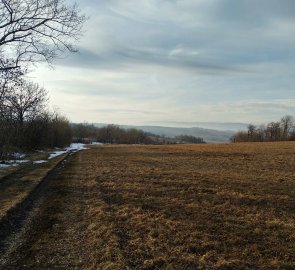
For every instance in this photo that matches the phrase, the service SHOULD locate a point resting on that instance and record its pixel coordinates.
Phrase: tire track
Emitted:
(17, 219)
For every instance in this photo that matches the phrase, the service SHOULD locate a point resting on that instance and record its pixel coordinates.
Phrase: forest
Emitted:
(283, 130)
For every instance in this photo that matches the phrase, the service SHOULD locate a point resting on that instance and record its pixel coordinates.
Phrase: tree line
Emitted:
(283, 130)
(189, 139)
(25, 120)
(109, 134)
(114, 134)
(32, 31)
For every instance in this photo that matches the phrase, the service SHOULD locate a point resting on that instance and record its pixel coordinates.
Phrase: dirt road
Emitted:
(49, 237)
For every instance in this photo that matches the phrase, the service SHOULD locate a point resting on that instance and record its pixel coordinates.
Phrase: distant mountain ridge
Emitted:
(222, 126)
(209, 135)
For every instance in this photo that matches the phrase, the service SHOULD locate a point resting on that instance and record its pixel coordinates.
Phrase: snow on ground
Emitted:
(4, 166)
(17, 158)
(19, 161)
(12, 163)
(18, 155)
(56, 154)
(74, 147)
(39, 161)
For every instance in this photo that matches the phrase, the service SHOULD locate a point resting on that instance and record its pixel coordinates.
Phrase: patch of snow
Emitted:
(7, 165)
(18, 161)
(97, 143)
(4, 165)
(11, 163)
(39, 161)
(56, 154)
(76, 146)
(18, 155)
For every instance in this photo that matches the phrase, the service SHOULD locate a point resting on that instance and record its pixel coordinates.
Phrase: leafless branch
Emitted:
(37, 30)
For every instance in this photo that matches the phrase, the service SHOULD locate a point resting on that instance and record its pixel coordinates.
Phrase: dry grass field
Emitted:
(166, 207)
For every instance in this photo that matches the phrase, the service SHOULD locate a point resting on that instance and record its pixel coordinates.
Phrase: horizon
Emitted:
(217, 126)
(200, 125)
(181, 61)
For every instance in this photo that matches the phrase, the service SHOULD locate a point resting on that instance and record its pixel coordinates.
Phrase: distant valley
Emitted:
(222, 126)
(208, 134)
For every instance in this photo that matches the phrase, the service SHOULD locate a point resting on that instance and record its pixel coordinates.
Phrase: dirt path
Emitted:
(15, 187)
(55, 234)
(47, 221)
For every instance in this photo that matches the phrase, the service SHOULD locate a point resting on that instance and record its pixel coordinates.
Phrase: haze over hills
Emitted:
(209, 135)
(223, 126)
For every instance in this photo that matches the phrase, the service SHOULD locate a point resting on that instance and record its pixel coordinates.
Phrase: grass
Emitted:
(207, 206)
(168, 207)
(17, 184)
(32, 156)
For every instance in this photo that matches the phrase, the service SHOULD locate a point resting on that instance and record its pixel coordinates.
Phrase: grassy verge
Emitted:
(32, 156)
(16, 185)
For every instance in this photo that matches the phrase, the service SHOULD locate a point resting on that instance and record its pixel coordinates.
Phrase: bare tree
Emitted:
(286, 123)
(8, 80)
(25, 102)
(251, 131)
(36, 30)
(273, 130)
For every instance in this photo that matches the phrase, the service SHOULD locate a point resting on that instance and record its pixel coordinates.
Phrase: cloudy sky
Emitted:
(147, 61)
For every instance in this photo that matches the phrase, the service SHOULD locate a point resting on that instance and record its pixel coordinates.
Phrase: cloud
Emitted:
(225, 34)
(180, 57)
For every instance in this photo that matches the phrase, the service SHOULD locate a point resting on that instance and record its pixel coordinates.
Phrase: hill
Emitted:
(209, 135)
(222, 126)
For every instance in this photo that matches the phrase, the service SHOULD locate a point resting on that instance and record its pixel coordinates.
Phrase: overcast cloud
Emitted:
(179, 60)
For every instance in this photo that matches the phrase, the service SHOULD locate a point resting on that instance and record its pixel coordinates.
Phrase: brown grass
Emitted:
(168, 207)
(15, 188)
(32, 156)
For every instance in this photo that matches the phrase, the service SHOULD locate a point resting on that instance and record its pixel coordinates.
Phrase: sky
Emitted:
(156, 61)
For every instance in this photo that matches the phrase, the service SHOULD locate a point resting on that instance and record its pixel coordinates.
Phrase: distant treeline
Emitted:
(109, 134)
(283, 130)
(189, 139)
(25, 121)
(115, 134)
